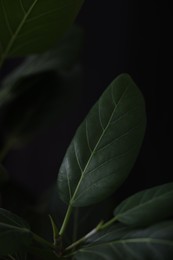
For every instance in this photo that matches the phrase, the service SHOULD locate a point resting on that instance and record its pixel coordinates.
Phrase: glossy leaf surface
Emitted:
(32, 26)
(152, 243)
(14, 233)
(105, 145)
(147, 207)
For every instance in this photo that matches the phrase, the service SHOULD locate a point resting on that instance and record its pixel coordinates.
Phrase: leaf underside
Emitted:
(15, 234)
(32, 26)
(146, 207)
(105, 145)
(152, 243)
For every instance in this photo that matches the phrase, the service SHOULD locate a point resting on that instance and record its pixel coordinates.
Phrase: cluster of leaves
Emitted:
(101, 154)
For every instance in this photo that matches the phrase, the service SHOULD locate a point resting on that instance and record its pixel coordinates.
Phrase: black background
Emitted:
(120, 36)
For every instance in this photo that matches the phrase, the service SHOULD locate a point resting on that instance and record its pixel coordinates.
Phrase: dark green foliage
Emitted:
(118, 242)
(147, 207)
(15, 234)
(99, 158)
(105, 145)
(26, 26)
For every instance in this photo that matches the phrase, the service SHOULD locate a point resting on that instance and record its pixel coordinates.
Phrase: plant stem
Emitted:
(66, 220)
(56, 236)
(108, 224)
(83, 239)
(98, 228)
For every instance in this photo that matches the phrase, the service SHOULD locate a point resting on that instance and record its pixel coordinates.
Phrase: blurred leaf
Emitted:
(41, 89)
(147, 207)
(15, 234)
(63, 57)
(105, 146)
(32, 26)
(118, 242)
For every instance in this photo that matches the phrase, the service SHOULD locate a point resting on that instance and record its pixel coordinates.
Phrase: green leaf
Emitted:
(152, 243)
(105, 145)
(32, 26)
(41, 90)
(15, 234)
(147, 207)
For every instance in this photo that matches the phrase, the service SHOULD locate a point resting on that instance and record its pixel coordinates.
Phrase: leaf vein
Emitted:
(100, 179)
(119, 137)
(95, 148)
(77, 158)
(16, 33)
(113, 158)
(100, 120)
(87, 136)
(22, 7)
(47, 13)
(69, 187)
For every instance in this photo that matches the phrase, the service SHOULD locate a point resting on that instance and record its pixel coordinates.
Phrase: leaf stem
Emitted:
(66, 220)
(108, 224)
(98, 228)
(56, 237)
(83, 239)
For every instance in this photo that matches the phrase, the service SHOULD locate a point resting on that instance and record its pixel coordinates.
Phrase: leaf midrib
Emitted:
(16, 33)
(99, 140)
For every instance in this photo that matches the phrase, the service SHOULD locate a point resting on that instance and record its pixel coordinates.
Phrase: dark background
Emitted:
(120, 36)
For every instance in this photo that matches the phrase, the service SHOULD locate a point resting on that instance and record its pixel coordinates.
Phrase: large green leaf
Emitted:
(105, 145)
(152, 243)
(146, 207)
(32, 26)
(15, 234)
